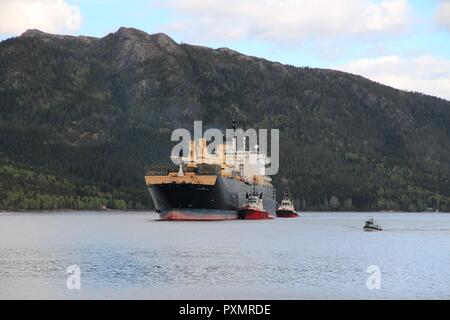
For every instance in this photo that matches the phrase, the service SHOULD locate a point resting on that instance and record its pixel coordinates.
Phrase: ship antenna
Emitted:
(234, 139)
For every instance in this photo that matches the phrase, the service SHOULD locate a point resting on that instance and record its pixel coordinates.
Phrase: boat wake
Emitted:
(416, 230)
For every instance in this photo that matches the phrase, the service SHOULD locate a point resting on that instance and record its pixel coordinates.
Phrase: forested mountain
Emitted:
(82, 117)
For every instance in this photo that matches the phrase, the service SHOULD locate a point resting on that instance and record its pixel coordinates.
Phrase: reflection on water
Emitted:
(320, 255)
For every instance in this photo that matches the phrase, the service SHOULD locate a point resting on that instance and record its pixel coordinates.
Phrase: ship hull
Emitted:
(197, 215)
(372, 229)
(252, 214)
(201, 202)
(286, 214)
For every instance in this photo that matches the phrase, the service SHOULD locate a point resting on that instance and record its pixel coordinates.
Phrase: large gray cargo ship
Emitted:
(210, 187)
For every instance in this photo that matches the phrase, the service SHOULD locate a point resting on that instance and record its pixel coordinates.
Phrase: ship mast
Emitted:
(180, 170)
(234, 140)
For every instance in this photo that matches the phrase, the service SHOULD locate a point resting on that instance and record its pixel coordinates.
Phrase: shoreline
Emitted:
(153, 211)
(77, 211)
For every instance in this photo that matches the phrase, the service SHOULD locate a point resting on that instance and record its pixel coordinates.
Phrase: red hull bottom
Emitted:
(191, 216)
(248, 214)
(286, 214)
(289, 215)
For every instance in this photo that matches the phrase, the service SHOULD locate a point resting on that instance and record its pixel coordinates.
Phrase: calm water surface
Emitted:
(131, 255)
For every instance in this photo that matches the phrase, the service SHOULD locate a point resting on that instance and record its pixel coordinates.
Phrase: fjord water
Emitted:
(132, 255)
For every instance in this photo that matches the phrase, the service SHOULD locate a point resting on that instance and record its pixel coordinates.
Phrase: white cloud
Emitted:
(443, 13)
(47, 15)
(427, 74)
(287, 21)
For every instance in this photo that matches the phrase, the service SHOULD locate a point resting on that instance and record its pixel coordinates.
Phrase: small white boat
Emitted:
(372, 225)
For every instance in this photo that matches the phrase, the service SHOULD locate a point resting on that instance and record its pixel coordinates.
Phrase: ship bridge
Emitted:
(246, 165)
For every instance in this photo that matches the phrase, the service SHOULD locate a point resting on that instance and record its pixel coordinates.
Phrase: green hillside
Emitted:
(81, 118)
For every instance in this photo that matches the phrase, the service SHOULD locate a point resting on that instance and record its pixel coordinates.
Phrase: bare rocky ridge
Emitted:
(34, 33)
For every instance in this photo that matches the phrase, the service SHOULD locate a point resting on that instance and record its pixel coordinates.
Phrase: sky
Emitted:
(401, 43)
